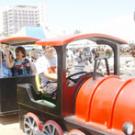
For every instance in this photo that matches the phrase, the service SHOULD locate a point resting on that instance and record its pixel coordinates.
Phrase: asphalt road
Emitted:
(9, 125)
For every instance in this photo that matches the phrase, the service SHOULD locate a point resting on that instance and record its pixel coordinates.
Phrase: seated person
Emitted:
(47, 71)
(21, 65)
(5, 71)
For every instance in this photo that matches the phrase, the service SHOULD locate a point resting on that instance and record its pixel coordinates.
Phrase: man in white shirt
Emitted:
(46, 67)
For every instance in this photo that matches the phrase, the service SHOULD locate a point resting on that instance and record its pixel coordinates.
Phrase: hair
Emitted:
(22, 50)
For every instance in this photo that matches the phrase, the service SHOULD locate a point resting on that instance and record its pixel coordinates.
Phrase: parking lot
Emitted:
(10, 126)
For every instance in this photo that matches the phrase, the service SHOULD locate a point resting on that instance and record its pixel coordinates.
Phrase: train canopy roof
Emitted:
(18, 41)
(96, 37)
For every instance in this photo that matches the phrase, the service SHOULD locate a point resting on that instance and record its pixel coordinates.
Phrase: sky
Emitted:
(113, 17)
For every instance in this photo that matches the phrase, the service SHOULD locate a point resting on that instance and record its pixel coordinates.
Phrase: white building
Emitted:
(18, 17)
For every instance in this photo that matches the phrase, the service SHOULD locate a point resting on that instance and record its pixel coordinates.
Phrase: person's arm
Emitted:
(51, 73)
(33, 68)
(9, 59)
(51, 76)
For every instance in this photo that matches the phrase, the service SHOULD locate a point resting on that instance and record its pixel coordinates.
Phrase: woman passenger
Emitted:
(5, 71)
(21, 65)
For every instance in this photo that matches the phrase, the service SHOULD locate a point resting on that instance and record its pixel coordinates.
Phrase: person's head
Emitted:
(33, 54)
(20, 53)
(49, 51)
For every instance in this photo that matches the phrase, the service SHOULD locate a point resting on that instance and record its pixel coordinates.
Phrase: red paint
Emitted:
(65, 40)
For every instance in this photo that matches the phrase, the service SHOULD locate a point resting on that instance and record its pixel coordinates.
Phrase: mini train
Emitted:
(86, 103)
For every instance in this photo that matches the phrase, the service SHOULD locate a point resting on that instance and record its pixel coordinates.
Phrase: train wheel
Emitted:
(32, 124)
(76, 132)
(52, 128)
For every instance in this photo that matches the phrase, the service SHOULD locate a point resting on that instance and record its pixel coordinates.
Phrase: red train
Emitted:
(88, 101)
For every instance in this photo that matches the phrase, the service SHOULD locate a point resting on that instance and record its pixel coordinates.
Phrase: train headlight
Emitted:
(128, 128)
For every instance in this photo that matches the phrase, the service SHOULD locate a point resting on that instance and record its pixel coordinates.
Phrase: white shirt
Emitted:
(43, 63)
(40, 64)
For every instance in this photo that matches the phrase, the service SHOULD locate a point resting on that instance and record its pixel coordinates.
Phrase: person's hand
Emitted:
(6, 50)
(51, 73)
(52, 69)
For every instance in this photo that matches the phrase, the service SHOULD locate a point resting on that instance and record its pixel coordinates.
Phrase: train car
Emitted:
(8, 85)
(92, 100)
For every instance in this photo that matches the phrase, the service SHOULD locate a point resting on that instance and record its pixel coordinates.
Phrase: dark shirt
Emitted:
(22, 68)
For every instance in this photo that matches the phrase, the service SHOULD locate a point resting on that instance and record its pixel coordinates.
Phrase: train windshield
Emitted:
(127, 61)
(82, 55)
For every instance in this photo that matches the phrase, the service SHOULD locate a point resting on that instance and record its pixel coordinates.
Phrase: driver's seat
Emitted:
(37, 82)
(28, 92)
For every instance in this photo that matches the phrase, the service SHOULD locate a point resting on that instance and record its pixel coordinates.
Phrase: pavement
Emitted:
(9, 125)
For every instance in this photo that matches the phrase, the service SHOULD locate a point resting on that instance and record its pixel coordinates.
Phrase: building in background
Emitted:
(15, 18)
